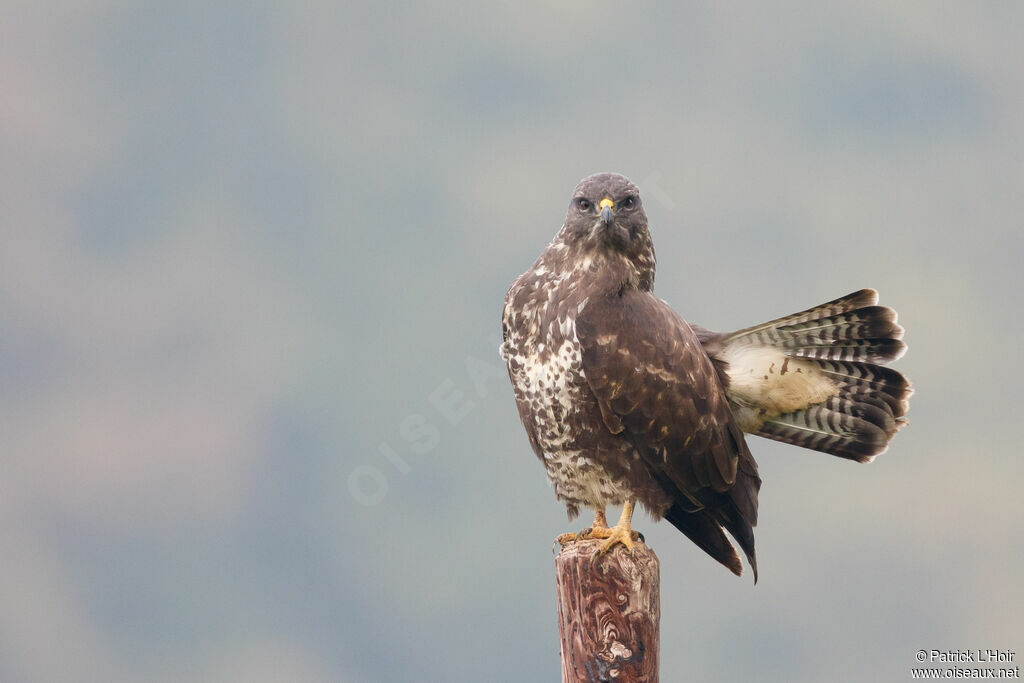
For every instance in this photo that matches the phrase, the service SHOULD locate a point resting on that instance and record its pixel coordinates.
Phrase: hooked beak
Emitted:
(607, 207)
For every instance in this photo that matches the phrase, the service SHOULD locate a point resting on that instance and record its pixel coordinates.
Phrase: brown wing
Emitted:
(656, 385)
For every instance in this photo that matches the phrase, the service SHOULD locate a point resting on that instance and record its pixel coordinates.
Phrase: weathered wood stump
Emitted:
(608, 613)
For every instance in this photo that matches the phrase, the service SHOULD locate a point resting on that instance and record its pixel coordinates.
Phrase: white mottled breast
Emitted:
(544, 358)
(547, 374)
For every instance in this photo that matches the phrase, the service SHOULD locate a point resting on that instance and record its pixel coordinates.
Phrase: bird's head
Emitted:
(607, 217)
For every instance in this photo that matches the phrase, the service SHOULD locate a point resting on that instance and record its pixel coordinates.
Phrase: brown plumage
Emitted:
(623, 401)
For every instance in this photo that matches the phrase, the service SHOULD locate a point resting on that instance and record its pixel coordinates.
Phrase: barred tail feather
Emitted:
(855, 429)
(851, 328)
(862, 380)
(852, 406)
(859, 299)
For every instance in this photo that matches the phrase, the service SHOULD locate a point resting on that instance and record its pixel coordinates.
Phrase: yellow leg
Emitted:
(600, 522)
(620, 533)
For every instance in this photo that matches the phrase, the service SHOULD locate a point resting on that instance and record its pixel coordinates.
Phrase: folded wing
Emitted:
(657, 387)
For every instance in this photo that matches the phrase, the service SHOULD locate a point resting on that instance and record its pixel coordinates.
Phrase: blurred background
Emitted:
(253, 423)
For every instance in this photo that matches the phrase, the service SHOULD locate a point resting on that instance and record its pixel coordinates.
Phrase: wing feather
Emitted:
(656, 385)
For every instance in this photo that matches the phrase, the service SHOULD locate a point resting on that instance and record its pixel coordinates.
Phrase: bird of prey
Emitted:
(623, 401)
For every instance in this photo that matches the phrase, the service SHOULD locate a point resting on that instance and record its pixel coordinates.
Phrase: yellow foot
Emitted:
(620, 533)
(584, 535)
(617, 534)
(565, 539)
(600, 524)
(612, 536)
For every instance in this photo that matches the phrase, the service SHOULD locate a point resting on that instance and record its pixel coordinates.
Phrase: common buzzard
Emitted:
(623, 401)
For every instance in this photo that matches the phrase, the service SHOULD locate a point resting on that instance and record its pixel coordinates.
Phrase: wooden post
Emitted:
(608, 613)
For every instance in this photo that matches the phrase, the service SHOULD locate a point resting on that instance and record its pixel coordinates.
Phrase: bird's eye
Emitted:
(629, 202)
(583, 204)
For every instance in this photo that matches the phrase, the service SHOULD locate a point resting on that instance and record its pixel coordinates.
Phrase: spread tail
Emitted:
(817, 379)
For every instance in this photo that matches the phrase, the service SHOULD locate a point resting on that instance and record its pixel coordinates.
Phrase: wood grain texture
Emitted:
(608, 613)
